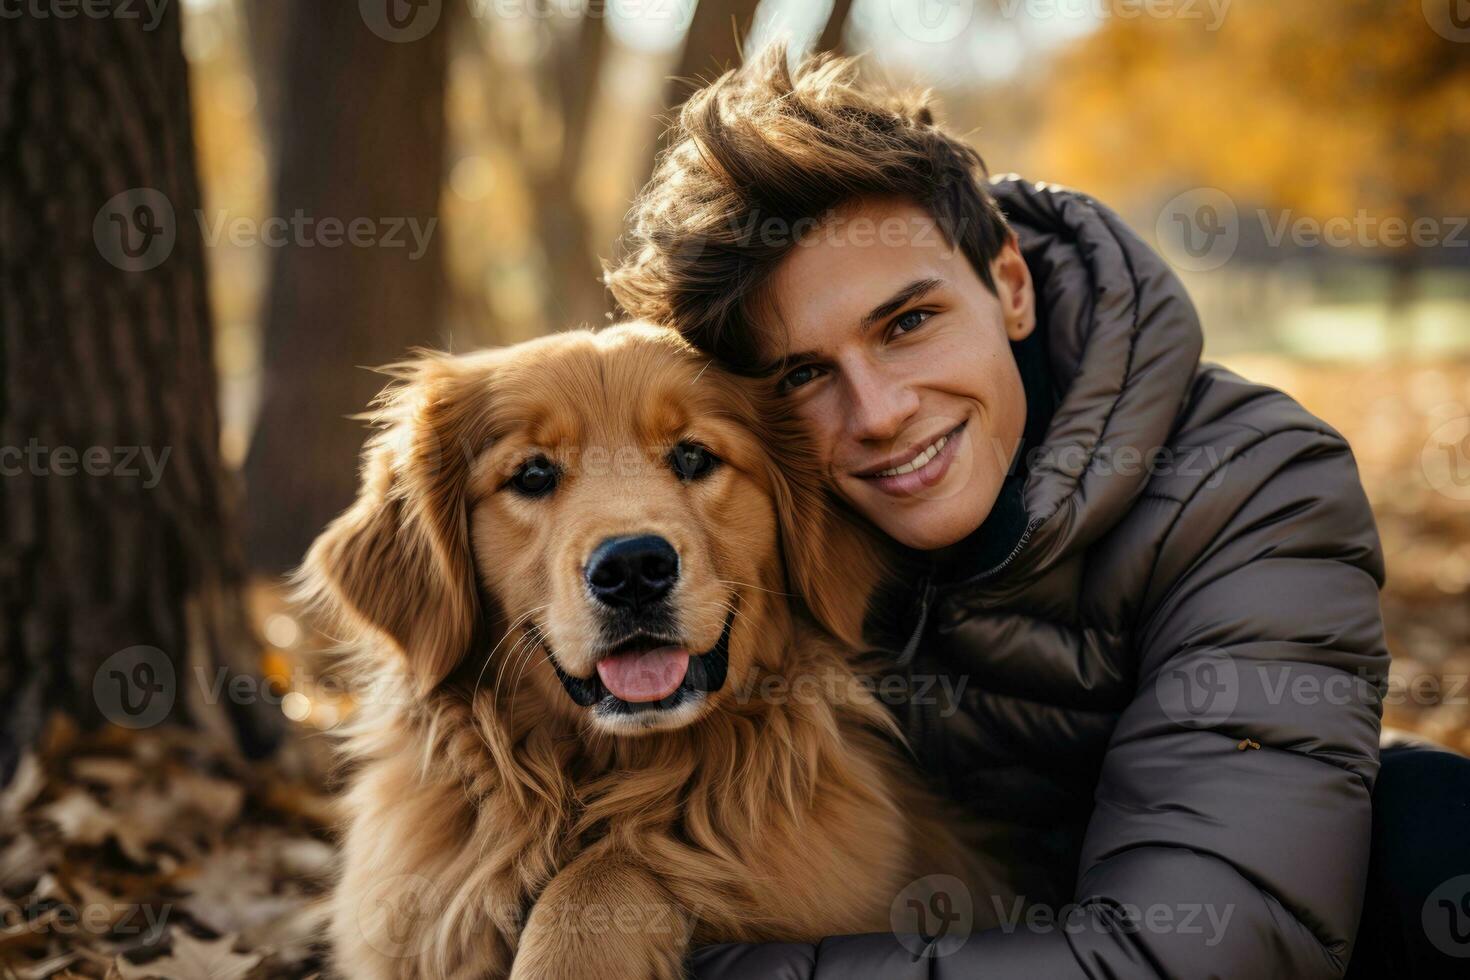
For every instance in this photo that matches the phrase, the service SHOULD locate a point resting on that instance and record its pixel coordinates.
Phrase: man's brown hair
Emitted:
(763, 151)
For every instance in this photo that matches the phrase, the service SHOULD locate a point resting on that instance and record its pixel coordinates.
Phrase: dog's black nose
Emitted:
(632, 572)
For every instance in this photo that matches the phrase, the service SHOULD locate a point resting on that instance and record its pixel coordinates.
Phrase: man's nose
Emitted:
(879, 407)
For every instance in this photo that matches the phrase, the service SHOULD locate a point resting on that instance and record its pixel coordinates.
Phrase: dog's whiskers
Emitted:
(508, 631)
(533, 634)
(747, 585)
(520, 654)
(526, 642)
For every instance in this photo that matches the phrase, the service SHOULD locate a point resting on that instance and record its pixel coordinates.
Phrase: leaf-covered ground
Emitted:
(155, 854)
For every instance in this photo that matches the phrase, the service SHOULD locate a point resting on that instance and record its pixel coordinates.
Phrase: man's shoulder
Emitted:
(1242, 455)
(1226, 416)
(1247, 463)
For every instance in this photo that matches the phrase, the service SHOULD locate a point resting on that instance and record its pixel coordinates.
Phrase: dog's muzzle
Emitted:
(705, 673)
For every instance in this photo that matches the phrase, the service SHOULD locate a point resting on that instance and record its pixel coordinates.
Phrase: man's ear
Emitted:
(398, 560)
(1014, 289)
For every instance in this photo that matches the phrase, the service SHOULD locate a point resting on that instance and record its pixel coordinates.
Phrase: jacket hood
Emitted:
(1123, 341)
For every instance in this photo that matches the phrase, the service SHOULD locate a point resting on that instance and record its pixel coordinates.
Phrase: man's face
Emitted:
(900, 362)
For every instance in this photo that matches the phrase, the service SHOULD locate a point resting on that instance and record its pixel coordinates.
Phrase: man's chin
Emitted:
(925, 525)
(926, 537)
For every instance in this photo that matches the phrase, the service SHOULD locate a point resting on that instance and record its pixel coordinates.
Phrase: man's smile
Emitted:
(917, 468)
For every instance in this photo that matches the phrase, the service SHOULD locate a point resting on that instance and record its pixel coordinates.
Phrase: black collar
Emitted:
(1005, 527)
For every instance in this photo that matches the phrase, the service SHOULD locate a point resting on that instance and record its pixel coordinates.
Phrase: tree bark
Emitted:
(712, 46)
(574, 295)
(119, 573)
(833, 34)
(361, 139)
(266, 23)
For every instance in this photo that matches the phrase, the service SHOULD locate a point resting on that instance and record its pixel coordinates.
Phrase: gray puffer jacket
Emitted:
(1172, 677)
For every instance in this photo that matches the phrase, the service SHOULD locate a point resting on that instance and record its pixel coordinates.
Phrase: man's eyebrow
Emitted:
(899, 300)
(882, 311)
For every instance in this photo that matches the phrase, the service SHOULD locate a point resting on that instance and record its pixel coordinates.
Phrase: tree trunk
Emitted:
(574, 293)
(119, 575)
(361, 140)
(834, 33)
(716, 32)
(266, 22)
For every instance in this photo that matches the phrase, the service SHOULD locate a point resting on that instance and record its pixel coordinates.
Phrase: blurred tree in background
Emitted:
(120, 574)
(526, 127)
(1293, 109)
(359, 133)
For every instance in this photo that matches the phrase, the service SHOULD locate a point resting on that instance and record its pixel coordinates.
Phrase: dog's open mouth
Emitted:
(649, 673)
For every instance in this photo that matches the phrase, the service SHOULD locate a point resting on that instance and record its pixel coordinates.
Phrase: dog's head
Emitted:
(605, 517)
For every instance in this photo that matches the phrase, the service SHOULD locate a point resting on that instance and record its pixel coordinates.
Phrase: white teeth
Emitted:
(919, 461)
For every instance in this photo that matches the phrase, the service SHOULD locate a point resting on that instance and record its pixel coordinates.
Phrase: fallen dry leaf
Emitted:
(194, 959)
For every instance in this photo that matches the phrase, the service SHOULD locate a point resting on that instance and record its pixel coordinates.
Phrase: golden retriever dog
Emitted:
(613, 617)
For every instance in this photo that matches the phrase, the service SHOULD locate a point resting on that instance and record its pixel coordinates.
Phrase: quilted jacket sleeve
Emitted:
(1231, 831)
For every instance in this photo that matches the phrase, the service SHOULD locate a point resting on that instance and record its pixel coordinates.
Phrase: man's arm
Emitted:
(1232, 821)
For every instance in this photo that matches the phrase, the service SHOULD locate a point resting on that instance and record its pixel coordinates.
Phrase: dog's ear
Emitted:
(398, 560)
(834, 560)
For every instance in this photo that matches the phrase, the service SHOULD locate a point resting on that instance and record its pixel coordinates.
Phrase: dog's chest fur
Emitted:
(771, 822)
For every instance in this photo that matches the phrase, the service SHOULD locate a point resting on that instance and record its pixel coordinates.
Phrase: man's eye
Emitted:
(911, 320)
(536, 477)
(690, 461)
(797, 377)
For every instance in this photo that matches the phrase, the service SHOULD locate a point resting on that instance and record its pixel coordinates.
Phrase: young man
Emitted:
(1159, 580)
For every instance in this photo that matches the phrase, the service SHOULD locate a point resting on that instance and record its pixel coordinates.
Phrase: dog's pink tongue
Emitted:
(646, 676)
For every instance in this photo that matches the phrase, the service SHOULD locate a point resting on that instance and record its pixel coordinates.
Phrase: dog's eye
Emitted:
(535, 477)
(691, 461)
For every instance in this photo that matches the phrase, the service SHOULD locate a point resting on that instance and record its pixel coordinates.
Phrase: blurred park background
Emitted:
(1302, 166)
(214, 214)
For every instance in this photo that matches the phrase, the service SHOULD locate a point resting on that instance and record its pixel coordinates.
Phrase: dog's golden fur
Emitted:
(495, 827)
